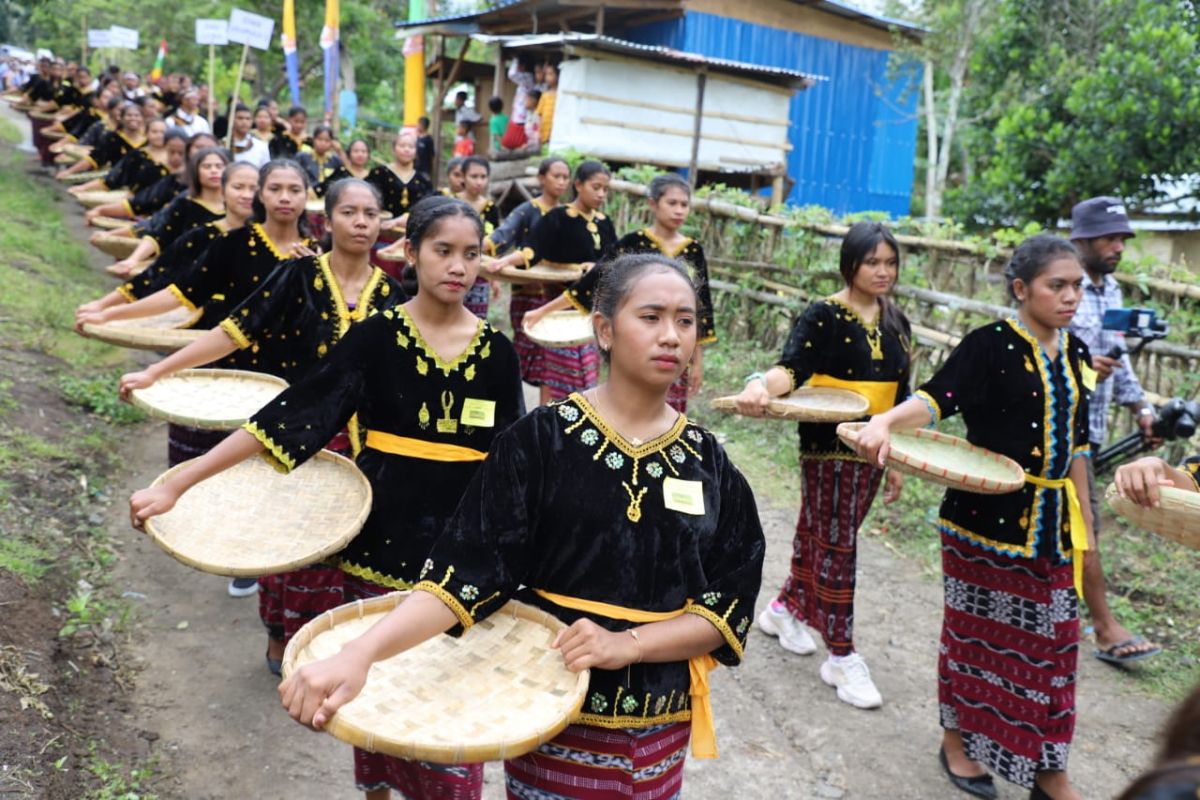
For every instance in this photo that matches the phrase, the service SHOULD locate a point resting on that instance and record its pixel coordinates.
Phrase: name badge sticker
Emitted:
(684, 496)
(1089, 377)
(479, 413)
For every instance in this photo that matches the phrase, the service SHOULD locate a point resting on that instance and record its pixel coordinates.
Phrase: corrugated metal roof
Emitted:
(468, 23)
(775, 75)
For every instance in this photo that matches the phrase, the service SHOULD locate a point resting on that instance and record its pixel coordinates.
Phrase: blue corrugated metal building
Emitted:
(854, 136)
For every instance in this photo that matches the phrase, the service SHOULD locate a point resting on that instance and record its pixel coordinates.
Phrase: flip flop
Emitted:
(1108, 655)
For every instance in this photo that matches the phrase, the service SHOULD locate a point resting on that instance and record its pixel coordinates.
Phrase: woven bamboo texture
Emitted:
(109, 223)
(497, 692)
(115, 245)
(808, 404)
(213, 399)
(543, 272)
(54, 134)
(94, 199)
(1177, 516)
(947, 460)
(167, 331)
(561, 329)
(42, 116)
(84, 177)
(253, 520)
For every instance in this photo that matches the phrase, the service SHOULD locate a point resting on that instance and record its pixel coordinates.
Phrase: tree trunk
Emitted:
(933, 201)
(346, 64)
(972, 13)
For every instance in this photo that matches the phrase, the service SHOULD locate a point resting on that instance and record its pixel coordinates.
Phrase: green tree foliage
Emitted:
(1081, 97)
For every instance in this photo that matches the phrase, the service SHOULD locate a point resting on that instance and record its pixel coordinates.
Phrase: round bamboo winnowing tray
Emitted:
(947, 460)
(84, 177)
(808, 404)
(315, 206)
(499, 691)
(539, 273)
(116, 245)
(95, 199)
(56, 134)
(561, 329)
(1177, 516)
(110, 223)
(253, 520)
(42, 116)
(394, 254)
(167, 331)
(214, 399)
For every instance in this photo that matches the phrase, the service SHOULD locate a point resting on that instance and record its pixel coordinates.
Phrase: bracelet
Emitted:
(761, 377)
(633, 632)
(1146, 411)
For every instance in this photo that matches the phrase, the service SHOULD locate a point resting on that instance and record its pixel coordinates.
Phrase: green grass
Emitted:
(9, 132)
(97, 394)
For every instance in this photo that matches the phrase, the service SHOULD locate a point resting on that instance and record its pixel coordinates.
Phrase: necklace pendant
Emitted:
(634, 512)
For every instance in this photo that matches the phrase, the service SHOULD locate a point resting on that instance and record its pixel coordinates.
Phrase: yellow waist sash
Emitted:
(880, 394)
(1079, 541)
(704, 734)
(419, 448)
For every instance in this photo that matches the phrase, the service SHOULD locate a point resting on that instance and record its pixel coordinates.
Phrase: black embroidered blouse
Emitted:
(565, 505)
(830, 345)
(319, 170)
(1017, 401)
(399, 386)
(514, 231)
(135, 171)
(298, 314)
(182, 215)
(399, 196)
(339, 173)
(233, 267)
(582, 293)
(565, 236)
(155, 197)
(112, 147)
(173, 262)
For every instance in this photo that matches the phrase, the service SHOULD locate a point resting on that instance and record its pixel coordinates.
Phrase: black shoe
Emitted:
(275, 666)
(1038, 793)
(979, 786)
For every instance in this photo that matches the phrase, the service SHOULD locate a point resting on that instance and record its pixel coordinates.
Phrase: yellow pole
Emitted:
(414, 80)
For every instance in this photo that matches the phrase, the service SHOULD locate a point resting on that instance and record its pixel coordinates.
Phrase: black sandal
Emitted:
(274, 665)
(979, 786)
(1038, 793)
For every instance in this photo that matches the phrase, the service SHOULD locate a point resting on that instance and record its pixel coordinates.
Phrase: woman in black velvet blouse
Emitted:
(613, 512)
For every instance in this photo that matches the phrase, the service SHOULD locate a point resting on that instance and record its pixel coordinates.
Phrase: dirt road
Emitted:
(205, 699)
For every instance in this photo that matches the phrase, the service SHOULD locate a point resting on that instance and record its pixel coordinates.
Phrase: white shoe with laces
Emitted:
(850, 676)
(792, 634)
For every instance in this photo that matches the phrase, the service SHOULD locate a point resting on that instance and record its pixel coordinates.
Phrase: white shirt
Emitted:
(252, 151)
(191, 124)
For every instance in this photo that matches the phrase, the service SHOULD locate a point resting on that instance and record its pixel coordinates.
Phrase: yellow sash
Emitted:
(880, 394)
(419, 448)
(704, 734)
(1079, 542)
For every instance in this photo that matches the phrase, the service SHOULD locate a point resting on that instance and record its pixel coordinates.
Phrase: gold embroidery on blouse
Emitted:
(445, 367)
(423, 416)
(872, 330)
(447, 424)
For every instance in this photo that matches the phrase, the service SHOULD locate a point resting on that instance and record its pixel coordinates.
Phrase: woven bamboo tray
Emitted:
(1177, 516)
(808, 404)
(561, 329)
(386, 254)
(137, 269)
(315, 206)
(94, 199)
(539, 273)
(214, 399)
(116, 245)
(948, 460)
(110, 223)
(84, 177)
(42, 116)
(497, 692)
(167, 331)
(253, 520)
(55, 134)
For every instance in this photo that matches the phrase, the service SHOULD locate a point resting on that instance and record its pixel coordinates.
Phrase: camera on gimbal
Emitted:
(1175, 419)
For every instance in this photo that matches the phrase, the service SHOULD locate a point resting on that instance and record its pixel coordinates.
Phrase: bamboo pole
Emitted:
(237, 88)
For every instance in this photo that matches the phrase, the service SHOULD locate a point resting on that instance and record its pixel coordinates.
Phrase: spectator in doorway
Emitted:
(497, 125)
(545, 106)
(425, 148)
(1099, 228)
(463, 112)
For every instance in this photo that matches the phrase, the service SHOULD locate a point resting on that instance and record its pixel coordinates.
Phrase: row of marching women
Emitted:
(605, 507)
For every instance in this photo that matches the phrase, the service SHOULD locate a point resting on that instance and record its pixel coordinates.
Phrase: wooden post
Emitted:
(777, 191)
(435, 128)
(212, 84)
(237, 88)
(694, 162)
(600, 21)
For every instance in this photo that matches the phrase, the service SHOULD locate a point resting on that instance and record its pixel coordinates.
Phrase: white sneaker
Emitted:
(850, 676)
(243, 587)
(793, 635)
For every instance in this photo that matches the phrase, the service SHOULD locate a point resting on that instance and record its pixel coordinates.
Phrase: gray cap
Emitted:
(1099, 216)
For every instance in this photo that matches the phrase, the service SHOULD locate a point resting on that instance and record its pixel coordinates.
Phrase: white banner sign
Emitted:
(212, 31)
(99, 38)
(250, 29)
(123, 37)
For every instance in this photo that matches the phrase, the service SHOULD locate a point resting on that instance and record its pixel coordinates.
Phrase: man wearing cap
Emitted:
(1099, 228)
